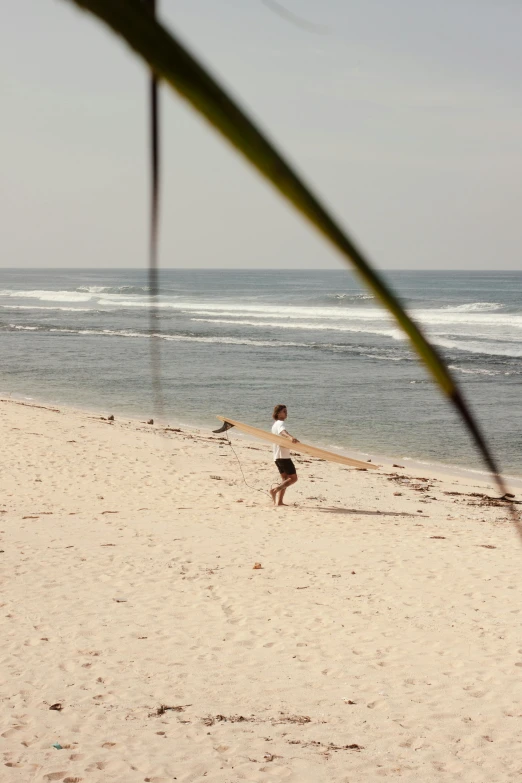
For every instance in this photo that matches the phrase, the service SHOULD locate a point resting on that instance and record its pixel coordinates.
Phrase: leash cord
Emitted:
(241, 468)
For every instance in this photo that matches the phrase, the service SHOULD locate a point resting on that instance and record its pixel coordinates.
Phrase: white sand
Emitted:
(375, 641)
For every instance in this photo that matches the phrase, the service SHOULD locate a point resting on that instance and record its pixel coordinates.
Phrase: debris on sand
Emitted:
(328, 746)
(301, 719)
(210, 720)
(163, 708)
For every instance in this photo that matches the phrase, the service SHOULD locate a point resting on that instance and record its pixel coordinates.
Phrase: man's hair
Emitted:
(277, 411)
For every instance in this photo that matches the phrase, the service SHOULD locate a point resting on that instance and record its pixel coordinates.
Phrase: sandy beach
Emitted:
(379, 638)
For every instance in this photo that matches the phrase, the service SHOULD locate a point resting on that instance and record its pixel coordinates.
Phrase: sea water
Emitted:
(236, 342)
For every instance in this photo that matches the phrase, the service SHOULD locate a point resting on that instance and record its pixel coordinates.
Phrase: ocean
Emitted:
(236, 342)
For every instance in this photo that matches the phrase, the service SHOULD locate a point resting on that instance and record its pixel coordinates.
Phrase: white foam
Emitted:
(476, 371)
(466, 323)
(185, 338)
(466, 319)
(430, 316)
(93, 289)
(115, 300)
(351, 297)
(43, 307)
(451, 319)
(171, 337)
(118, 290)
(490, 349)
(384, 358)
(49, 296)
(284, 311)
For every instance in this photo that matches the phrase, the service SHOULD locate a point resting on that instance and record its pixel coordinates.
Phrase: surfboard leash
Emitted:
(241, 468)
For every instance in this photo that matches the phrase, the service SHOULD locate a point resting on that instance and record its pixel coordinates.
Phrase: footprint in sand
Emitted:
(10, 732)
(97, 765)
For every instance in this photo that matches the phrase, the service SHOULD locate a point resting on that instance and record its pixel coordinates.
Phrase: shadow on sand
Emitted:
(362, 512)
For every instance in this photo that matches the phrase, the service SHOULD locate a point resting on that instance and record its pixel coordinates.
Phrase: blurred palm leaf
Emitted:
(171, 61)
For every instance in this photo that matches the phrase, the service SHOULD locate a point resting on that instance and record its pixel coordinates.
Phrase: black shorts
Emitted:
(286, 466)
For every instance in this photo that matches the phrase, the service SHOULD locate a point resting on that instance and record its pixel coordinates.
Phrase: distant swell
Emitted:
(168, 337)
(474, 307)
(349, 297)
(222, 340)
(395, 334)
(120, 289)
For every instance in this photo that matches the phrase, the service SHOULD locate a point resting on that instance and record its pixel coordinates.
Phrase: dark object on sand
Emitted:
(163, 709)
(224, 427)
(150, 421)
(58, 707)
(110, 418)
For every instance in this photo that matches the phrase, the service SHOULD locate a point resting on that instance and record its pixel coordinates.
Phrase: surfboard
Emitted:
(301, 448)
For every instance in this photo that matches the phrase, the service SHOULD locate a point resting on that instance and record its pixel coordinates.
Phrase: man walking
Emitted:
(282, 456)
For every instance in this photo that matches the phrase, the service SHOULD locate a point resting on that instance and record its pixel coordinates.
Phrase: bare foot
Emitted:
(273, 493)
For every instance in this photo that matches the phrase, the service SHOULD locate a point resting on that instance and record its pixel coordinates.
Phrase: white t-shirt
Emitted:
(279, 451)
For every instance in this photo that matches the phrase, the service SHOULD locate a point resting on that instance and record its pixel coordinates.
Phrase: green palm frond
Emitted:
(171, 62)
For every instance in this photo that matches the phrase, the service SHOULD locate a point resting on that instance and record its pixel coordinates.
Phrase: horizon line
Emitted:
(237, 269)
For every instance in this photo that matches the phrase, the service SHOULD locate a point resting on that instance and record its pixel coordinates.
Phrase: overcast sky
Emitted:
(404, 115)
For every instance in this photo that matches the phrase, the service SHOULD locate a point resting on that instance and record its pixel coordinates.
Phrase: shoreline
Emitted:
(413, 463)
(406, 469)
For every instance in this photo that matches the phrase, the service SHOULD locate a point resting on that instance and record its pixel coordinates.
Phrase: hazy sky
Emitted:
(405, 116)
